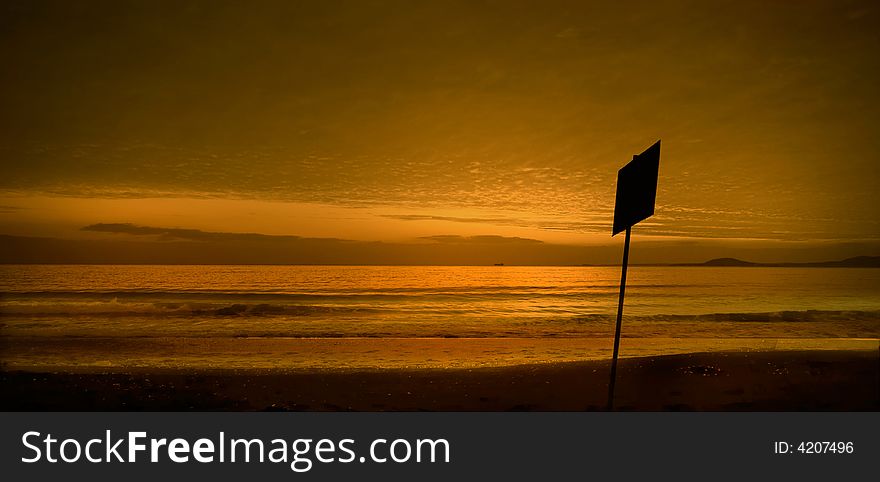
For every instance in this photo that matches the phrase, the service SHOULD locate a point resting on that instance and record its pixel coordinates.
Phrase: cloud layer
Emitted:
(767, 111)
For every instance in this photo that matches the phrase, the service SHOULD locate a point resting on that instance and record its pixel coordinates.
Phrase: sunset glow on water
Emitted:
(357, 316)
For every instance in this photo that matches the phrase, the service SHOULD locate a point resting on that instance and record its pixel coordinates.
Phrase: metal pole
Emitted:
(619, 319)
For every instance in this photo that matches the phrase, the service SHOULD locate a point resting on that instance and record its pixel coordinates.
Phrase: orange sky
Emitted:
(396, 122)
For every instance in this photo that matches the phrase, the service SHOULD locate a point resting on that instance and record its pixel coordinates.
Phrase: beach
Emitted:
(814, 380)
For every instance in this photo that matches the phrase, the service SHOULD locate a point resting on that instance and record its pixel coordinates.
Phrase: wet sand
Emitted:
(805, 380)
(194, 354)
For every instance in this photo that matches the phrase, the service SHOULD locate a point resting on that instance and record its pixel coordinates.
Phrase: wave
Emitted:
(287, 305)
(114, 308)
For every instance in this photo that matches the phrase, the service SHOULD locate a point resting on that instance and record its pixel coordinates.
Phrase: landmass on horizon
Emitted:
(854, 262)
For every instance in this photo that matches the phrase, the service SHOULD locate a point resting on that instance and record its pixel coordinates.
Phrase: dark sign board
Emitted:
(636, 189)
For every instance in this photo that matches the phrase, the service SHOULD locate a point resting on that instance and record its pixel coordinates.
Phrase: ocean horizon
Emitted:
(378, 316)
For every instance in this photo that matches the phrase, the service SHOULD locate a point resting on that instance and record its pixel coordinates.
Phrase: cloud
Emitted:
(524, 113)
(547, 224)
(183, 234)
(484, 239)
(156, 245)
(570, 32)
(455, 219)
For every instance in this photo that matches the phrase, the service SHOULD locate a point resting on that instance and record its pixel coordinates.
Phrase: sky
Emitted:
(438, 132)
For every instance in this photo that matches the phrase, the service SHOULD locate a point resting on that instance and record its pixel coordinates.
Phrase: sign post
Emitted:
(636, 193)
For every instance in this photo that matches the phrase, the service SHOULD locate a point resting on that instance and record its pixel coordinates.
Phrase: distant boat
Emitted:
(499, 264)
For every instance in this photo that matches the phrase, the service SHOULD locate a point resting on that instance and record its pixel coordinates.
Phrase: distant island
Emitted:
(855, 262)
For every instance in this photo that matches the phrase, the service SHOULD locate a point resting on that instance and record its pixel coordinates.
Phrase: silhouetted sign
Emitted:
(636, 189)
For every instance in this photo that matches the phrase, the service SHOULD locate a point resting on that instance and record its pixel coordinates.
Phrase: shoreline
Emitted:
(774, 380)
(125, 354)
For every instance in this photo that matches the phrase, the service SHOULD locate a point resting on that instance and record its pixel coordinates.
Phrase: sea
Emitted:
(566, 312)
